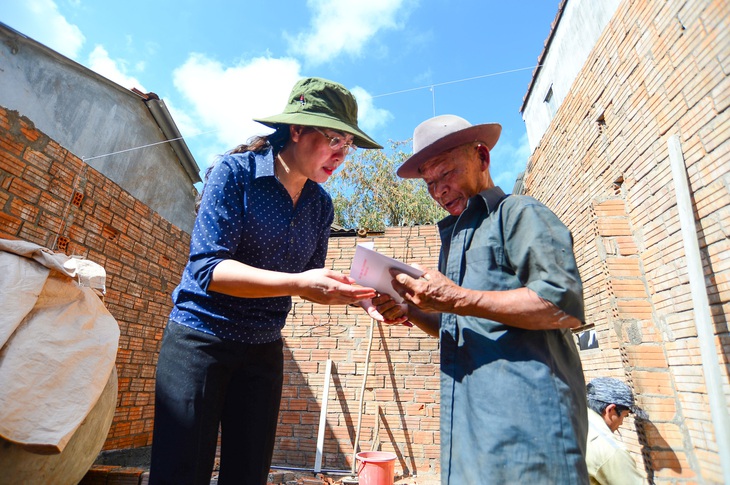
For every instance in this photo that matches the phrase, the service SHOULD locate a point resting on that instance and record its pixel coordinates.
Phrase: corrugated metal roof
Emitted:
(339, 231)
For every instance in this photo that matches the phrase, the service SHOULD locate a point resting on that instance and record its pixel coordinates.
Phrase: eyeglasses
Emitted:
(337, 143)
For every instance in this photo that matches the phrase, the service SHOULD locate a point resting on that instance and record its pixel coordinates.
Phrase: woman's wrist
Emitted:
(295, 284)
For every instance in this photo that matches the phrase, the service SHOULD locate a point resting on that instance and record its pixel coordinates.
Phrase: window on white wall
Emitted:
(550, 102)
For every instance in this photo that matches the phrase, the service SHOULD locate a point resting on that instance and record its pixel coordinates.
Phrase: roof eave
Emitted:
(164, 120)
(541, 57)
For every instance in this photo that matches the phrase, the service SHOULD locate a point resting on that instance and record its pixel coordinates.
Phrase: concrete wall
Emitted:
(580, 25)
(658, 71)
(91, 116)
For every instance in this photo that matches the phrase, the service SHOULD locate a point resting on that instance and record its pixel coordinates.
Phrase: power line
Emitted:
(146, 146)
(430, 87)
(130, 149)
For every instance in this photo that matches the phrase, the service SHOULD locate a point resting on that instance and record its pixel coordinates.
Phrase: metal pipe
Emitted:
(351, 472)
(295, 469)
(323, 417)
(362, 393)
(701, 304)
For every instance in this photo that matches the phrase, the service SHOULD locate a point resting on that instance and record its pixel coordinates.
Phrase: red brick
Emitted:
(11, 164)
(623, 267)
(97, 475)
(9, 225)
(38, 161)
(24, 190)
(10, 145)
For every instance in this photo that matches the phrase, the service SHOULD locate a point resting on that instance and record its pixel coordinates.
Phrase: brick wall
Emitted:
(401, 398)
(659, 70)
(50, 197)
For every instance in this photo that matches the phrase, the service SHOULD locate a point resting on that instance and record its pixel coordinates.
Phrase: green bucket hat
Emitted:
(325, 104)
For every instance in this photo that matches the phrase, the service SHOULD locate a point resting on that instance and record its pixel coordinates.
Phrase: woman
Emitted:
(260, 237)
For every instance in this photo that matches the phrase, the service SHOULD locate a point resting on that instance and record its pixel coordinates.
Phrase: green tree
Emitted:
(368, 194)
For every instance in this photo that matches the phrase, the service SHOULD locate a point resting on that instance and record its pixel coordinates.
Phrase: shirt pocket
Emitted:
(485, 270)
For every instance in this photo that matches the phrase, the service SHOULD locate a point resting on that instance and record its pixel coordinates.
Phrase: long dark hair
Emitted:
(275, 141)
(259, 144)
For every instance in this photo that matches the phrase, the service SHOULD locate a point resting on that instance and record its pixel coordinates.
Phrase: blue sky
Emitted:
(217, 64)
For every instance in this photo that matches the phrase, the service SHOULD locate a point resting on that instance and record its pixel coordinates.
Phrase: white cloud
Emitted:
(225, 99)
(186, 124)
(508, 161)
(205, 147)
(343, 26)
(424, 77)
(369, 117)
(151, 48)
(115, 70)
(41, 21)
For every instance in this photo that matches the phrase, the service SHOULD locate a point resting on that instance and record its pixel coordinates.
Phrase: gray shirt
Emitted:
(513, 407)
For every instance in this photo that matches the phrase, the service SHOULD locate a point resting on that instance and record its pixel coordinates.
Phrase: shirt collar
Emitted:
(264, 164)
(492, 197)
(598, 424)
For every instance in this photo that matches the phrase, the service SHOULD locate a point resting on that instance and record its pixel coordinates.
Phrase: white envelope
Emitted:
(370, 268)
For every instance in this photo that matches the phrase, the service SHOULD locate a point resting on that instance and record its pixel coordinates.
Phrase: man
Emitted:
(513, 407)
(609, 402)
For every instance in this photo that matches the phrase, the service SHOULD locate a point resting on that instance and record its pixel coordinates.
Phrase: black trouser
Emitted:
(203, 381)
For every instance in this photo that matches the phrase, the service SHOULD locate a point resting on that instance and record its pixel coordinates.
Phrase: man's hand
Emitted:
(432, 292)
(523, 308)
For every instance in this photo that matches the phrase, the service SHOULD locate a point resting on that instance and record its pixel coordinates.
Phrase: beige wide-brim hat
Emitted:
(442, 133)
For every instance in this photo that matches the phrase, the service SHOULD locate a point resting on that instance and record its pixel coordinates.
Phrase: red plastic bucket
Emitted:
(377, 467)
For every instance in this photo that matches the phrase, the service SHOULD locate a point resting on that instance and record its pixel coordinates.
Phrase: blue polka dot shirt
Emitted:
(247, 215)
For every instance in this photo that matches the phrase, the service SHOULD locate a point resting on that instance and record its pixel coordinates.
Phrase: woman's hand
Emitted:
(384, 309)
(329, 287)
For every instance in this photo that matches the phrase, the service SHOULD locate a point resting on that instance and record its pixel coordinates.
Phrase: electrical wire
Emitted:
(430, 86)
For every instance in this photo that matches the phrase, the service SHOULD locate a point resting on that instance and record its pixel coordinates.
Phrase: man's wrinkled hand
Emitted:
(432, 292)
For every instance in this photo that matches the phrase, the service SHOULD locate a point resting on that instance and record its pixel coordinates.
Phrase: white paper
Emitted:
(370, 268)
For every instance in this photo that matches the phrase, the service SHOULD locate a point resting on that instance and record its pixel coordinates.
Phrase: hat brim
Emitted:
(639, 413)
(321, 121)
(487, 133)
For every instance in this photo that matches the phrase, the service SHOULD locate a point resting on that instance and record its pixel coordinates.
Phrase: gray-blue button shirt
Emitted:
(513, 406)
